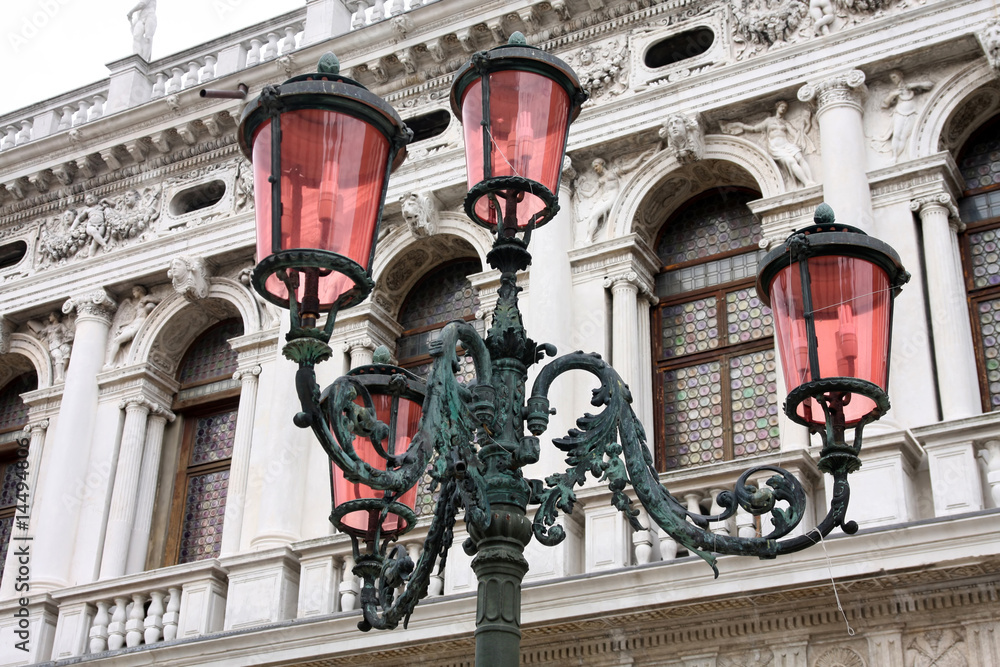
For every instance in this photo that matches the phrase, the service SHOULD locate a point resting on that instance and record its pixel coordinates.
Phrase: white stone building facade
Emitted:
(173, 512)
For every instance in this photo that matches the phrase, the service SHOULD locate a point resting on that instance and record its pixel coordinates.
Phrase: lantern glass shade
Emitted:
(852, 312)
(528, 121)
(333, 168)
(364, 523)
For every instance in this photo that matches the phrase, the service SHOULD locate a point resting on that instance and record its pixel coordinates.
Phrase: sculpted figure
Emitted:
(142, 304)
(904, 115)
(58, 335)
(420, 213)
(95, 218)
(143, 20)
(989, 39)
(822, 15)
(189, 276)
(600, 188)
(784, 141)
(684, 137)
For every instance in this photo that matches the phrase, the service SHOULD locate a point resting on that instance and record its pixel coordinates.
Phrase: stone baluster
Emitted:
(207, 73)
(360, 16)
(123, 497)
(668, 546)
(253, 54)
(287, 42)
(80, 117)
(174, 84)
(954, 355)
(66, 118)
(146, 496)
(24, 134)
(154, 618)
(9, 138)
(397, 7)
(239, 471)
(135, 627)
(349, 587)
(722, 527)
(190, 77)
(991, 454)
(116, 629)
(172, 615)
(435, 586)
(378, 11)
(745, 526)
(842, 146)
(99, 630)
(270, 50)
(97, 108)
(642, 541)
(55, 520)
(160, 86)
(693, 501)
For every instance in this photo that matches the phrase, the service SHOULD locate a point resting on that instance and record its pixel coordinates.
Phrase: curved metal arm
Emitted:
(594, 447)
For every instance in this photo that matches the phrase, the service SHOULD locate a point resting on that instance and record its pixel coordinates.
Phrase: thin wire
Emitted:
(856, 298)
(500, 151)
(836, 595)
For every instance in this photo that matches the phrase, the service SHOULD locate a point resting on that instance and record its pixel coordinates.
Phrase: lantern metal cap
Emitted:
(828, 237)
(516, 54)
(326, 89)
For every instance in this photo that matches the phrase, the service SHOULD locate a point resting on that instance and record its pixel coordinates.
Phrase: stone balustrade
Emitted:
(57, 115)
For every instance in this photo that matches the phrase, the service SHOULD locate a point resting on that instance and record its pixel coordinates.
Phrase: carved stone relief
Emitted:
(937, 648)
(98, 225)
(420, 212)
(786, 140)
(749, 658)
(972, 112)
(902, 102)
(596, 189)
(57, 333)
(269, 313)
(839, 657)
(685, 136)
(129, 318)
(189, 276)
(603, 68)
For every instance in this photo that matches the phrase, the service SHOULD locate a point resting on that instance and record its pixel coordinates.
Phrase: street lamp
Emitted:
(831, 287)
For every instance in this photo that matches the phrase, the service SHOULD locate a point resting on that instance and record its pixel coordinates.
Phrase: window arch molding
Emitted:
(967, 89)
(401, 239)
(727, 159)
(34, 353)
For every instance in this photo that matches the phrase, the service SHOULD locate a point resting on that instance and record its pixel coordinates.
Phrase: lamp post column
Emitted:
(954, 356)
(842, 146)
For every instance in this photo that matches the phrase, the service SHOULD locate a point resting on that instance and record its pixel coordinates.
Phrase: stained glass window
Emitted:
(13, 411)
(715, 356)
(210, 357)
(13, 415)
(979, 162)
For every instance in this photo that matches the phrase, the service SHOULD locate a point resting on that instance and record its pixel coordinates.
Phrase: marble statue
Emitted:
(143, 20)
(597, 191)
(142, 305)
(420, 213)
(684, 136)
(902, 101)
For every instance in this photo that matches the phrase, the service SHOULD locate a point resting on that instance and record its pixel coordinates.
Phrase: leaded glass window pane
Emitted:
(204, 512)
(8, 484)
(443, 295)
(747, 318)
(712, 225)
(6, 528)
(211, 357)
(980, 161)
(692, 415)
(984, 256)
(690, 327)
(989, 328)
(708, 274)
(13, 411)
(752, 391)
(213, 438)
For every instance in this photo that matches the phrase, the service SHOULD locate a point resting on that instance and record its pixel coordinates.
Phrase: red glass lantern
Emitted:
(322, 147)
(359, 510)
(516, 103)
(831, 289)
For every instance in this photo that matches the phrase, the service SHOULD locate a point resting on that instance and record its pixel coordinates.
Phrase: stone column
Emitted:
(954, 356)
(842, 146)
(625, 335)
(642, 395)
(123, 497)
(239, 470)
(146, 497)
(58, 511)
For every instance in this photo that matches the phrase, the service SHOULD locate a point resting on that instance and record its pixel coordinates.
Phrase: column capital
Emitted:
(34, 427)
(161, 412)
(939, 201)
(136, 403)
(359, 343)
(248, 374)
(622, 280)
(847, 89)
(96, 305)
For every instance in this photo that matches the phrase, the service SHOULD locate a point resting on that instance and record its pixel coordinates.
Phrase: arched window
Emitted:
(207, 406)
(714, 355)
(13, 416)
(979, 162)
(442, 295)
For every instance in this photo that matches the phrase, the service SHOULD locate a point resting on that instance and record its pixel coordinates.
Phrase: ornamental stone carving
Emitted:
(58, 333)
(786, 141)
(603, 68)
(848, 88)
(131, 314)
(6, 330)
(596, 191)
(269, 313)
(421, 213)
(943, 200)
(750, 658)
(937, 648)
(93, 305)
(989, 39)
(189, 277)
(685, 137)
(902, 101)
(840, 657)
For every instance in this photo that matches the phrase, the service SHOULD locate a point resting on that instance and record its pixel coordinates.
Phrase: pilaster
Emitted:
(144, 504)
(239, 470)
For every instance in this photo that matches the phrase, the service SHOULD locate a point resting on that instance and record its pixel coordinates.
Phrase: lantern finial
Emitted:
(329, 63)
(517, 39)
(381, 356)
(824, 215)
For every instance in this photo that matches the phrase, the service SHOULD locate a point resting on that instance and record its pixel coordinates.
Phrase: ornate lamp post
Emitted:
(831, 288)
